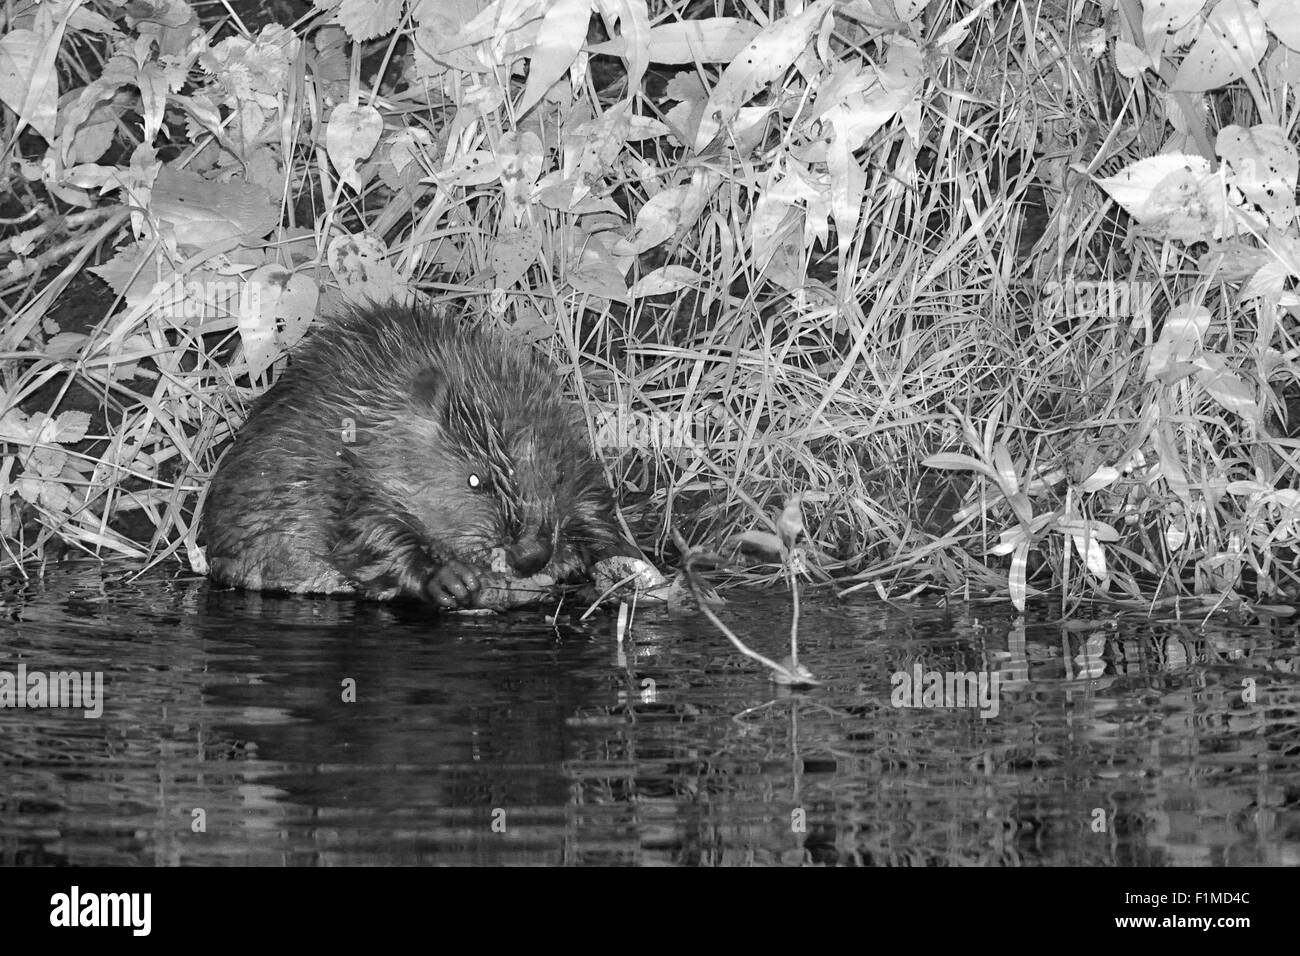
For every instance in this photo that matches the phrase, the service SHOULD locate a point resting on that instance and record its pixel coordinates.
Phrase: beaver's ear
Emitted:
(428, 389)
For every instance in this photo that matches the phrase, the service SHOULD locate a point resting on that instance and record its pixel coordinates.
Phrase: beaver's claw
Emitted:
(453, 585)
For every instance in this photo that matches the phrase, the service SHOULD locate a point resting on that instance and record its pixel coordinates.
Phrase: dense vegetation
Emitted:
(995, 296)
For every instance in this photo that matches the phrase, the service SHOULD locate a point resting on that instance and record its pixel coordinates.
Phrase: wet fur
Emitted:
(295, 507)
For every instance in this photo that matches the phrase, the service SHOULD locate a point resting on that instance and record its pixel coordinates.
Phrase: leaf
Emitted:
(168, 13)
(1233, 260)
(1288, 498)
(273, 313)
(951, 461)
(446, 14)
(684, 118)
(645, 127)
(1282, 66)
(763, 60)
(28, 80)
(202, 112)
(597, 144)
(956, 32)
(766, 225)
(1008, 480)
(15, 427)
(152, 83)
(407, 145)
(555, 191)
(1280, 15)
(1131, 61)
(258, 72)
(451, 29)
(1165, 367)
(366, 19)
(1168, 16)
(45, 462)
(1180, 339)
(633, 21)
(559, 40)
(66, 346)
(94, 135)
(848, 184)
(632, 572)
(361, 266)
(132, 274)
(1175, 536)
(1268, 281)
(1132, 186)
(762, 541)
(666, 279)
(709, 40)
(596, 272)
(909, 10)
(862, 106)
(351, 136)
(71, 427)
(519, 156)
(513, 251)
(401, 158)
(1227, 388)
(1016, 575)
(789, 525)
(1170, 466)
(93, 177)
(1099, 479)
(257, 334)
(475, 169)
(1264, 167)
(1230, 44)
(657, 220)
(1092, 551)
(49, 494)
(203, 212)
(1098, 530)
(1248, 488)
(530, 326)
(1173, 196)
(297, 307)
(88, 20)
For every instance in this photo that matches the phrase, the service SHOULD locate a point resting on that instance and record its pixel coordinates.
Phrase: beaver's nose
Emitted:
(529, 555)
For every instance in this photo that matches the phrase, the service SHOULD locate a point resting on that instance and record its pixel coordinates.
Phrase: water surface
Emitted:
(226, 736)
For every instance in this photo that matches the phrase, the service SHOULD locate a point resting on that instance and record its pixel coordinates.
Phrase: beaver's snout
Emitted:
(529, 555)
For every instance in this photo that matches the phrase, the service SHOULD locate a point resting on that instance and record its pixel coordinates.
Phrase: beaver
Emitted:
(404, 453)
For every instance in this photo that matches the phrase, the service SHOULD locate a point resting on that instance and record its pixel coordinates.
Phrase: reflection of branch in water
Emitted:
(793, 674)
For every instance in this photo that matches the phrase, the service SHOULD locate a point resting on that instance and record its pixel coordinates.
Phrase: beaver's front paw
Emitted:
(453, 585)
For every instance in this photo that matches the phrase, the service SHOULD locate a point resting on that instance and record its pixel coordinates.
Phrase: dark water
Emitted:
(502, 740)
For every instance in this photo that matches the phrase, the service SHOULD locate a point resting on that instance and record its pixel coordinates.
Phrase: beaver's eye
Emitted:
(476, 483)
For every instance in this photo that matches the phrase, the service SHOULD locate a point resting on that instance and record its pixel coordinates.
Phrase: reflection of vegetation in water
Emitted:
(668, 748)
(986, 287)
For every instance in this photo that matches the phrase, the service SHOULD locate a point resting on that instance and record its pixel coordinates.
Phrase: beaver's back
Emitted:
(262, 515)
